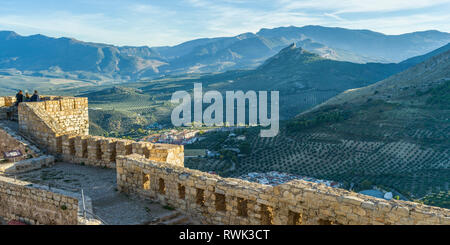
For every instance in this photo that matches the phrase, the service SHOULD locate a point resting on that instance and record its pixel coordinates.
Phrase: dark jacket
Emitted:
(19, 98)
(35, 98)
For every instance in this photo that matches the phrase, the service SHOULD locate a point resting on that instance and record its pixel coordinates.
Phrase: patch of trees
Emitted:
(440, 95)
(317, 120)
(228, 155)
(245, 148)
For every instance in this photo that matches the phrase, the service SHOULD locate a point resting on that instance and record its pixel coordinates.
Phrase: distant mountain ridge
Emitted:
(414, 84)
(421, 58)
(389, 48)
(38, 52)
(66, 57)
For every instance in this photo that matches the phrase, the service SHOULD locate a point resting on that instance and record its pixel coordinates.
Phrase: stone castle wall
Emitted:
(61, 126)
(19, 200)
(46, 120)
(156, 171)
(7, 101)
(6, 104)
(216, 200)
(103, 152)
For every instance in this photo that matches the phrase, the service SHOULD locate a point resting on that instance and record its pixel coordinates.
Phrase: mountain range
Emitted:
(43, 56)
(303, 79)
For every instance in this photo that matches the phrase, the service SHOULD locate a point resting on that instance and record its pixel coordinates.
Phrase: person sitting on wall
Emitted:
(35, 97)
(19, 97)
(27, 97)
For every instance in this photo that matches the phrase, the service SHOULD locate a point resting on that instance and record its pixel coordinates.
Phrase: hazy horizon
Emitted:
(108, 43)
(168, 23)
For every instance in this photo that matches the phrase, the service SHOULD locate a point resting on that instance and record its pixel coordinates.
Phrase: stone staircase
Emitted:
(37, 158)
(12, 128)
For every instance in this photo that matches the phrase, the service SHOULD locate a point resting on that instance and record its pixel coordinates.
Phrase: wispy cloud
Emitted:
(410, 23)
(170, 22)
(359, 6)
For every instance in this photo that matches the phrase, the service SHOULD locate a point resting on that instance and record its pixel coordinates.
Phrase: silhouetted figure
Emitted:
(19, 97)
(35, 97)
(27, 97)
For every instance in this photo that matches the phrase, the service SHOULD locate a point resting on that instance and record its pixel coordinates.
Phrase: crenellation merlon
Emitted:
(295, 202)
(61, 126)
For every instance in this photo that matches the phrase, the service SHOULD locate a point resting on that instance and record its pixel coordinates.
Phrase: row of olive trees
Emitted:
(321, 118)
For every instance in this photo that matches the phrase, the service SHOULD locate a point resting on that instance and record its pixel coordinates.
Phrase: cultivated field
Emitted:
(415, 170)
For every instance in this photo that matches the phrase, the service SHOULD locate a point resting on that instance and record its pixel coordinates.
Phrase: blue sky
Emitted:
(170, 22)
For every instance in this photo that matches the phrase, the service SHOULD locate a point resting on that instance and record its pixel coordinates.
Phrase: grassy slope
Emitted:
(302, 78)
(393, 134)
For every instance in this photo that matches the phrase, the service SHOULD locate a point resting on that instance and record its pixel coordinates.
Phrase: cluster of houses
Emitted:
(173, 136)
(237, 137)
(277, 178)
(184, 137)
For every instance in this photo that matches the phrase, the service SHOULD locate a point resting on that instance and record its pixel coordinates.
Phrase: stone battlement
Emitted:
(55, 117)
(10, 141)
(36, 204)
(102, 151)
(60, 125)
(7, 101)
(216, 200)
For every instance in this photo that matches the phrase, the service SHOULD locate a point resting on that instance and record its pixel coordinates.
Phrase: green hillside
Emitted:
(303, 79)
(393, 134)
